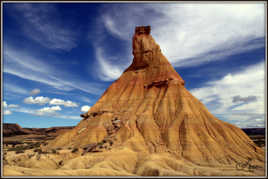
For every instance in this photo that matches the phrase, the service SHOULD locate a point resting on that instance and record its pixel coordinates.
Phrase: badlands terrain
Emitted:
(147, 124)
(19, 146)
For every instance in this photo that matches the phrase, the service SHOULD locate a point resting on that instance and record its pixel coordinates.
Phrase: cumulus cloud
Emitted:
(7, 112)
(35, 91)
(13, 105)
(85, 108)
(5, 104)
(48, 110)
(41, 100)
(67, 103)
(248, 99)
(9, 105)
(188, 34)
(219, 95)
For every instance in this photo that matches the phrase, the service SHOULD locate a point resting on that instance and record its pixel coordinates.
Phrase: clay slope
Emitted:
(149, 110)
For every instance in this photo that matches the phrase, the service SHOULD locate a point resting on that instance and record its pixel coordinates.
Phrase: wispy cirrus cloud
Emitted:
(10, 87)
(237, 97)
(43, 24)
(106, 70)
(85, 99)
(25, 65)
(188, 34)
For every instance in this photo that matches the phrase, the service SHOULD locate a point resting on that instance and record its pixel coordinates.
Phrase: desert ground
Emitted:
(23, 156)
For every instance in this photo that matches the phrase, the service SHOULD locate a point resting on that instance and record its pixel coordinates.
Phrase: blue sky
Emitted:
(58, 58)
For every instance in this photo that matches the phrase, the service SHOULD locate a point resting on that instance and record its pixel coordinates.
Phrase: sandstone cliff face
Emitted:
(149, 110)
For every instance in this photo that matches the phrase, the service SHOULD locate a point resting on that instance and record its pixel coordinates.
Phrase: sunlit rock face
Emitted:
(148, 110)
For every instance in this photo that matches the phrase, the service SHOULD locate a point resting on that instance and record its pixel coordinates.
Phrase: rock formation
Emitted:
(148, 110)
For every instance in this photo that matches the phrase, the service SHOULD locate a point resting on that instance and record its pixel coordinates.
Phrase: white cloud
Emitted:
(5, 104)
(7, 112)
(218, 95)
(43, 24)
(13, 106)
(188, 34)
(35, 91)
(48, 110)
(208, 29)
(67, 103)
(41, 100)
(107, 71)
(85, 108)
(9, 105)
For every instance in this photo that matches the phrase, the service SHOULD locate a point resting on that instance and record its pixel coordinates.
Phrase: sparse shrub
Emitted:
(100, 143)
(38, 151)
(53, 151)
(33, 145)
(61, 163)
(13, 143)
(30, 155)
(37, 144)
(5, 162)
(18, 148)
(19, 151)
(74, 150)
(44, 152)
(59, 148)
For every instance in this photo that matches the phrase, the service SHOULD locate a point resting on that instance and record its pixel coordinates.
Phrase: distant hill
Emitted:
(254, 131)
(12, 129)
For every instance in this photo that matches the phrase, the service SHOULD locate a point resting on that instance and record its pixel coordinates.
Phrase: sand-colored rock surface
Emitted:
(148, 123)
